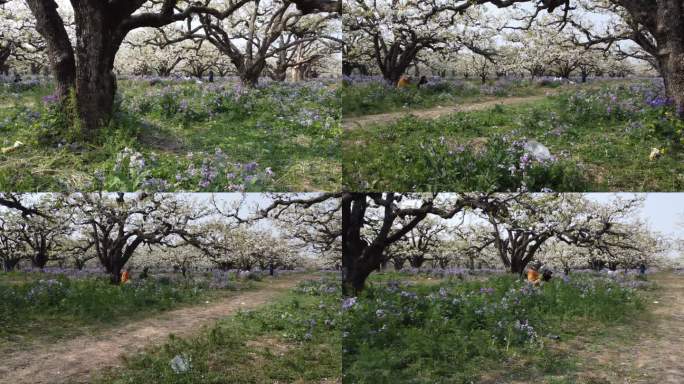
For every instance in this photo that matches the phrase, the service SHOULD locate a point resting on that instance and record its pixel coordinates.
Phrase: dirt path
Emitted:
(73, 361)
(657, 354)
(349, 123)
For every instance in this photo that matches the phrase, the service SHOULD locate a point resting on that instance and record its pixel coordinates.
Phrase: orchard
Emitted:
(81, 269)
(487, 288)
(86, 86)
(512, 95)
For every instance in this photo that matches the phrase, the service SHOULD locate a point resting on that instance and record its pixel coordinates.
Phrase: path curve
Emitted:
(75, 360)
(350, 123)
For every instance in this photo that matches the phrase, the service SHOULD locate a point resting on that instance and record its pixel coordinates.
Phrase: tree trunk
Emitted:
(249, 79)
(40, 260)
(668, 30)
(347, 68)
(115, 274)
(393, 75)
(299, 72)
(396, 60)
(95, 92)
(95, 52)
(113, 264)
(673, 77)
(8, 265)
(417, 261)
(521, 258)
(354, 281)
(279, 74)
(50, 26)
(517, 266)
(398, 264)
(5, 53)
(596, 265)
(35, 68)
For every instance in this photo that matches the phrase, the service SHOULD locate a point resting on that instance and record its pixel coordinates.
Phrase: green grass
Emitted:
(42, 308)
(295, 339)
(598, 149)
(377, 97)
(470, 331)
(192, 137)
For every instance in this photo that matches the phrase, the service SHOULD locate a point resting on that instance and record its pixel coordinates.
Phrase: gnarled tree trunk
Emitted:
(50, 25)
(8, 265)
(671, 29)
(249, 73)
(396, 60)
(358, 259)
(95, 53)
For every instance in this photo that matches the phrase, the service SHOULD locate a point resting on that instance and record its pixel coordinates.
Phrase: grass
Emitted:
(191, 137)
(376, 97)
(293, 340)
(597, 147)
(43, 308)
(491, 331)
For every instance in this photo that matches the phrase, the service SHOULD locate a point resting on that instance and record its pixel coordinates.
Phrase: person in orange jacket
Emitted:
(126, 276)
(533, 275)
(403, 82)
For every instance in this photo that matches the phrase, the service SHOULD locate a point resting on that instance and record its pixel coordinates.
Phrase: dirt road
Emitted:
(656, 354)
(75, 360)
(349, 123)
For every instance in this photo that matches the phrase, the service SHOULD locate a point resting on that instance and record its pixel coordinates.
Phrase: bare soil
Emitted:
(650, 352)
(350, 123)
(74, 361)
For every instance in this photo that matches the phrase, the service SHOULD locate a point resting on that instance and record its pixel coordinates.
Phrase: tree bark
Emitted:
(62, 60)
(396, 60)
(5, 53)
(95, 52)
(355, 281)
(40, 260)
(279, 74)
(249, 73)
(671, 26)
(398, 264)
(354, 269)
(664, 20)
(115, 274)
(417, 261)
(8, 265)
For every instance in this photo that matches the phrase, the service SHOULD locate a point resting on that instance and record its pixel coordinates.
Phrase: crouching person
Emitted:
(404, 82)
(533, 276)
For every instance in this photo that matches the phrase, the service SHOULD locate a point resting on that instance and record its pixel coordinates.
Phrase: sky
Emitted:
(252, 202)
(664, 212)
